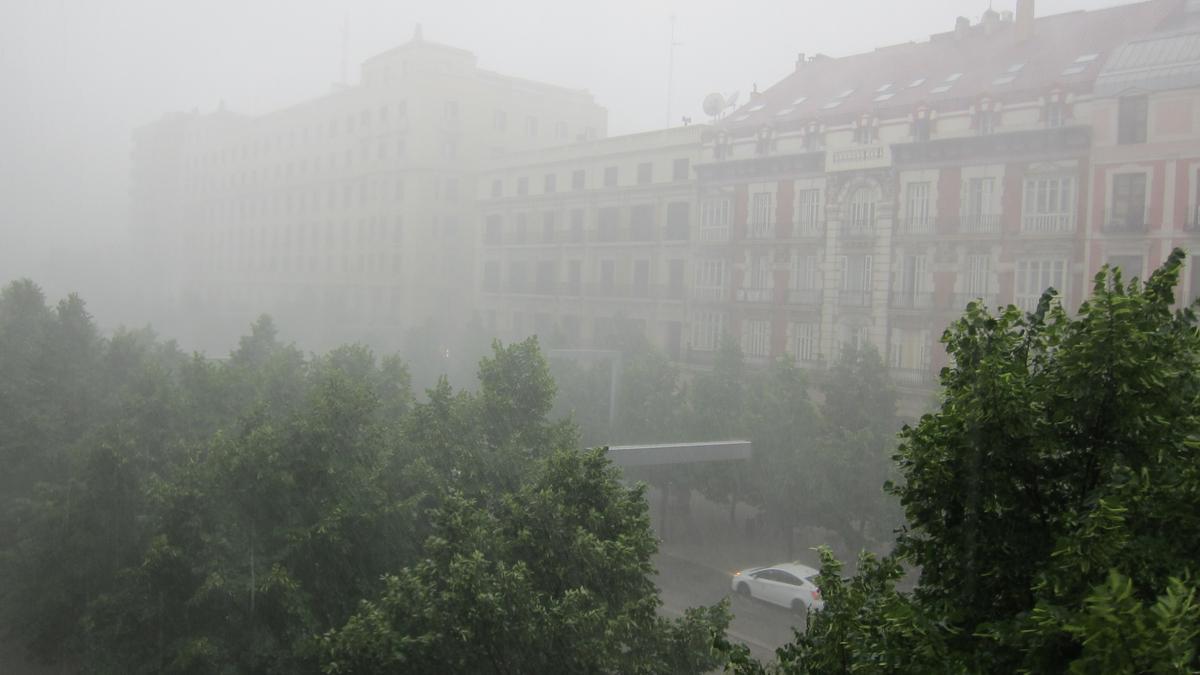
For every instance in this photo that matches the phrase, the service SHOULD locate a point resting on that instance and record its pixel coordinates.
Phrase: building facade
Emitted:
(868, 199)
(583, 242)
(349, 216)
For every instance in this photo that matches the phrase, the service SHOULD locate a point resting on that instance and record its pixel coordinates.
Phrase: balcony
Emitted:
(959, 301)
(1118, 222)
(715, 235)
(859, 230)
(912, 299)
(854, 297)
(808, 228)
(804, 296)
(755, 294)
(760, 230)
(1048, 223)
(979, 223)
(709, 293)
(915, 226)
(912, 377)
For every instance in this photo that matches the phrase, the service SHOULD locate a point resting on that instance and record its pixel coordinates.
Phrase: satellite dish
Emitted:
(714, 103)
(732, 99)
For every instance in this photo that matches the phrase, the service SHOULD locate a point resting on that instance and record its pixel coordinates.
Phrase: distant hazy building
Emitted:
(867, 199)
(349, 216)
(582, 242)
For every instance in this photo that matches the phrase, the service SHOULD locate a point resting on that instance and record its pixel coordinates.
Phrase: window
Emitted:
(1128, 212)
(517, 280)
(862, 211)
(577, 179)
(979, 214)
(976, 281)
(909, 351)
(756, 337)
(760, 224)
(1131, 266)
(864, 133)
(450, 111)
(499, 120)
(804, 341)
(548, 226)
(808, 212)
(545, 276)
(710, 279)
(715, 216)
(681, 169)
(1049, 204)
(707, 329)
(492, 229)
(641, 278)
(577, 226)
(574, 277)
(1054, 114)
(550, 183)
(560, 130)
(608, 275)
(922, 129)
(520, 225)
(757, 280)
(917, 216)
(856, 280)
(1033, 277)
(497, 188)
(804, 280)
(491, 275)
(1131, 120)
(531, 126)
(641, 222)
(610, 176)
(607, 224)
(911, 289)
(523, 185)
(985, 121)
(678, 216)
(676, 278)
(645, 173)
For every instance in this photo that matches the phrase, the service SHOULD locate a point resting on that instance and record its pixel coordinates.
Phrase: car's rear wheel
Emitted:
(744, 590)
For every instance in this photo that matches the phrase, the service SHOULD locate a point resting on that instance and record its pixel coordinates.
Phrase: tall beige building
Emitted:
(349, 216)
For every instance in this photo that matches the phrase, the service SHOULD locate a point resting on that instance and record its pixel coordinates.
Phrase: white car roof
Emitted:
(802, 571)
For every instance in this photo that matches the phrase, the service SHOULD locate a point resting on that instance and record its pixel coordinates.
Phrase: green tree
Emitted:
(556, 579)
(1052, 503)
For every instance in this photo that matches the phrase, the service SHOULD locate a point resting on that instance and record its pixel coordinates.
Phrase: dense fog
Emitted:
(545, 337)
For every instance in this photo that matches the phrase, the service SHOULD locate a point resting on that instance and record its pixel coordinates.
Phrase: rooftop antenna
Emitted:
(671, 69)
(345, 45)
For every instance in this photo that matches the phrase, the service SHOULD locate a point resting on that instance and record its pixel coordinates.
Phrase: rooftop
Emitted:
(952, 69)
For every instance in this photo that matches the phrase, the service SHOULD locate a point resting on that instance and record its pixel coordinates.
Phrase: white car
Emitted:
(790, 585)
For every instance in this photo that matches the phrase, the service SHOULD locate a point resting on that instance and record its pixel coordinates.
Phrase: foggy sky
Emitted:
(77, 76)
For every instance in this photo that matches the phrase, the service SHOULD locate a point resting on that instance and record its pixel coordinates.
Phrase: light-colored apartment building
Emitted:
(581, 242)
(349, 216)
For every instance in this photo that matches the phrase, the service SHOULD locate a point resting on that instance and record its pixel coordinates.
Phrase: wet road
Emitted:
(758, 625)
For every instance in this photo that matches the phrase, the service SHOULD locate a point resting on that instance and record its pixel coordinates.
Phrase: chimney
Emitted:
(1024, 26)
(800, 60)
(991, 21)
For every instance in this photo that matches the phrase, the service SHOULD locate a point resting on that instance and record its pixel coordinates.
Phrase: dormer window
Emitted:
(764, 140)
(986, 117)
(1054, 114)
(866, 130)
(812, 138)
(922, 126)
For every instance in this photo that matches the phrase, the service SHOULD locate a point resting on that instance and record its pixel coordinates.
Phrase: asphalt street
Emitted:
(685, 583)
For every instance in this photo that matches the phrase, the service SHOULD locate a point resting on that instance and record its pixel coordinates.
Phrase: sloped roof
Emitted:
(1153, 64)
(950, 70)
